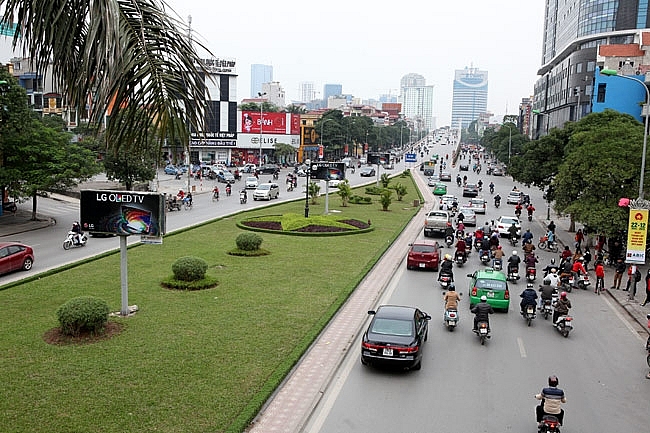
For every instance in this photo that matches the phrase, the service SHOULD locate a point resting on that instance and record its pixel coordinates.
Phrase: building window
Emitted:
(602, 89)
(578, 68)
(591, 66)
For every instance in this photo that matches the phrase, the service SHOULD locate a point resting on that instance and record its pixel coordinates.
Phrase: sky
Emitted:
(368, 46)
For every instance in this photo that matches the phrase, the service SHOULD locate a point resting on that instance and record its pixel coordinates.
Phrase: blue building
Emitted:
(470, 96)
(260, 74)
(332, 90)
(620, 94)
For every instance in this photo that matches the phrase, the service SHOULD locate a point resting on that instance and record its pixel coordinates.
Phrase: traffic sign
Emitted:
(410, 157)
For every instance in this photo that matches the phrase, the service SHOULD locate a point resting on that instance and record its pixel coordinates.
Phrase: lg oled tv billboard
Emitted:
(123, 212)
(328, 170)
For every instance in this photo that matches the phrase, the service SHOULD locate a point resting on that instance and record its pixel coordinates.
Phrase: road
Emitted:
(47, 242)
(466, 387)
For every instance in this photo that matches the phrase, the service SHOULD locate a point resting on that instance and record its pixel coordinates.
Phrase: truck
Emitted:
(436, 222)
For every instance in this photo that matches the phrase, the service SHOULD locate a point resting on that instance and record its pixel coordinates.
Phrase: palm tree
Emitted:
(130, 57)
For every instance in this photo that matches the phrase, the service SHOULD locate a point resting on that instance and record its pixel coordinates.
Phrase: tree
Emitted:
(295, 109)
(130, 166)
(345, 192)
(127, 54)
(267, 107)
(284, 149)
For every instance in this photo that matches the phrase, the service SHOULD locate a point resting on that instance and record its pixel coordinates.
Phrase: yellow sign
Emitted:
(637, 231)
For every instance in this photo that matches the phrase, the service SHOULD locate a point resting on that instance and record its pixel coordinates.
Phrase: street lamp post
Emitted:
(260, 94)
(611, 72)
(308, 163)
(327, 181)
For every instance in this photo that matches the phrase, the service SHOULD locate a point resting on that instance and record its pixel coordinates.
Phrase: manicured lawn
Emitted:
(187, 361)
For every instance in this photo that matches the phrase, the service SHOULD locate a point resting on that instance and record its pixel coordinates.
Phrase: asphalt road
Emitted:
(466, 387)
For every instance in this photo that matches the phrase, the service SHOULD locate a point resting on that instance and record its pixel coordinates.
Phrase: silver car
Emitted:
(251, 182)
(469, 217)
(266, 191)
(446, 201)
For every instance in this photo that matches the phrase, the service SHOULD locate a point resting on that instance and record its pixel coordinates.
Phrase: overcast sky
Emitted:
(368, 46)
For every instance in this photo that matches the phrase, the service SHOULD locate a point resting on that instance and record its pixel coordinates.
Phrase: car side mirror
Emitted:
(469, 275)
(372, 312)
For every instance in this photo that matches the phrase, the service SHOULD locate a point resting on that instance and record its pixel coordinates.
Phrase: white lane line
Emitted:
(522, 349)
(625, 320)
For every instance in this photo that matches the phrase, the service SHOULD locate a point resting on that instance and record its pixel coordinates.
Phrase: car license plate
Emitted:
(490, 294)
(422, 265)
(388, 352)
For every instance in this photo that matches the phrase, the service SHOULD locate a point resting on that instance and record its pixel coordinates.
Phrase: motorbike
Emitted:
(498, 264)
(530, 274)
(243, 197)
(544, 244)
(477, 244)
(530, 217)
(497, 203)
(460, 259)
(565, 283)
(187, 203)
(491, 189)
(513, 274)
(71, 242)
(514, 240)
(449, 240)
(581, 283)
(483, 331)
(564, 325)
(275, 176)
(529, 314)
(451, 319)
(550, 424)
(547, 308)
(460, 234)
(485, 258)
(228, 190)
(518, 213)
(445, 280)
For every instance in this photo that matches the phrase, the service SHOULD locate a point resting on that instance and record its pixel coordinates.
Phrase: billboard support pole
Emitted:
(327, 196)
(124, 311)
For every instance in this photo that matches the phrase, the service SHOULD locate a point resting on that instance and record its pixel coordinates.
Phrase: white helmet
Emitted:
(483, 298)
(514, 253)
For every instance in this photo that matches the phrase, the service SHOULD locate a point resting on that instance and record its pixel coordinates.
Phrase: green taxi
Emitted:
(493, 285)
(440, 189)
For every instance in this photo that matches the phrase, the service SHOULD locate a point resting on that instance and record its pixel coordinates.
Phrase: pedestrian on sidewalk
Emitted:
(634, 276)
(618, 276)
(647, 289)
(579, 238)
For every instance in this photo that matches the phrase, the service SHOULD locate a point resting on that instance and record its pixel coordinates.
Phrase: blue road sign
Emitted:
(410, 157)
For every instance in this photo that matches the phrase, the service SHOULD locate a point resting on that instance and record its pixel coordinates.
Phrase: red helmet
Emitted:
(563, 295)
(499, 247)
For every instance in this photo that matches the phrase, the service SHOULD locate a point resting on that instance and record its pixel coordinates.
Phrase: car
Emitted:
(505, 222)
(423, 254)
(248, 168)
(470, 190)
(225, 176)
(492, 284)
(497, 172)
(445, 176)
(172, 169)
(269, 169)
(440, 189)
(367, 172)
(205, 173)
(266, 191)
(15, 256)
(446, 201)
(463, 167)
(478, 205)
(251, 182)
(428, 172)
(395, 337)
(514, 197)
(433, 180)
(469, 216)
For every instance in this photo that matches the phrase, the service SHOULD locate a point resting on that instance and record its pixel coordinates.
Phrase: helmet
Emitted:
(546, 281)
(553, 381)
(514, 253)
(447, 257)
(483, 298)
(499, 247)
(563, 295)
(553, 270)
(448, 224)
(581, 259)
(487, 223)
(529, 286)
(553, 261)
(452, 287)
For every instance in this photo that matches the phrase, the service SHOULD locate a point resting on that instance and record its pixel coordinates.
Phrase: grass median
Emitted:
(188, 361)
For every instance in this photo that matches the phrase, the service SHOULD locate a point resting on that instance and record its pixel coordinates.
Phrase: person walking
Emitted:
(647, 289)
(618, 275)
(579, 238)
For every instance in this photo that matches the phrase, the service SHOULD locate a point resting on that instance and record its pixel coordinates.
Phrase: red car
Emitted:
(15, 256)
(423, 255)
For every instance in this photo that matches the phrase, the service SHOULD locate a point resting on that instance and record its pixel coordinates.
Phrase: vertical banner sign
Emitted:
(636, 236)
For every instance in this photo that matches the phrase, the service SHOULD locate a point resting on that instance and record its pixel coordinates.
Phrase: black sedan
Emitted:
(395, 337)
(367, 172)
(463, 167)
(445, 176)
(269, 169)
(470, 190)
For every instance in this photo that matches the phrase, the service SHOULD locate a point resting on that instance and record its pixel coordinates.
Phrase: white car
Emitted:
(446, 201)
(478, 205)
(504, 223)
(469, 216)
(514, 197)
(251, 182)
(266, 191)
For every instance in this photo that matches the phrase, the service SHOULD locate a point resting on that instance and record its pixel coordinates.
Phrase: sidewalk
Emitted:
(621, 297)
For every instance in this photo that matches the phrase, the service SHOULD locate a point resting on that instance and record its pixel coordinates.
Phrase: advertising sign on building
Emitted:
(268, 140)
(272, 123)
(309, 138)
(123, 212)
(328, 170)
(636, 236)
(378, 158)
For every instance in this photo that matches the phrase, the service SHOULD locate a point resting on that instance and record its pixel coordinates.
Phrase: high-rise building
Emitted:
(332, 90)
(274, 93)
(417, 102)
(307, 93)
(260, 74)
(573, 32)
(469, 98)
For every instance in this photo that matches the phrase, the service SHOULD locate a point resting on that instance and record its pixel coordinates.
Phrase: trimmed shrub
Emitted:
(249, 241)
(373, 190)
(189, 268)
(85, 313)
(357, 199)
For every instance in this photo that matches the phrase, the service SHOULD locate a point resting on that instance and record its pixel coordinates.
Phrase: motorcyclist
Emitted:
(449, 231)
(518, 208)
(452, 298)
(482, 312)
(497, 200)
(458, 180)
(215, 192)
(578, 267)
(478, 234)
(552, 399)
(498, 256)
(527, 237)
(181, 194)
(550, 238)
(530, 209)
(188, 199)
(460, 218)
(561, 307)
(76, 229)
(228, 189)
(484, 248)
(513, 262)
(566, 254)
(530, 260)
(528, 297)
(553, 277)
(491, 187)
(512, 231)
(460, 249)
(446, 268)
(528, 248)
(479, 184)
(548, 268)
(494, 241)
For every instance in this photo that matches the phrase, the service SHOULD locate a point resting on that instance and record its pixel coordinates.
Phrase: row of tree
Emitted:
(585, 167)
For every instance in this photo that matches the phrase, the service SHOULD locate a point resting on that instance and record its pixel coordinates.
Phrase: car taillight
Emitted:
(410, 349)
(506, 294)
(369, 346)
(474, 291)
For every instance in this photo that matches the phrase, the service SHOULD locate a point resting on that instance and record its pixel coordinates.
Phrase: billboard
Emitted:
(273, 123)
(636, 236)
(123, 212)
(328, 170)
(378, 158)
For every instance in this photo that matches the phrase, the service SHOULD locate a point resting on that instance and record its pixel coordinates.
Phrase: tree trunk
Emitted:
(34, 201)
(572, 225)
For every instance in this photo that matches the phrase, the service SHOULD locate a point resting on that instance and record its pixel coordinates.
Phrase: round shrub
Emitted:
(189, 268)
(85, 313)
(249, 241)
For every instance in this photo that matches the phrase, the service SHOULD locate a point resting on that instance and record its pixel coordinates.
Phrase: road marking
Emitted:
(522, 349)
